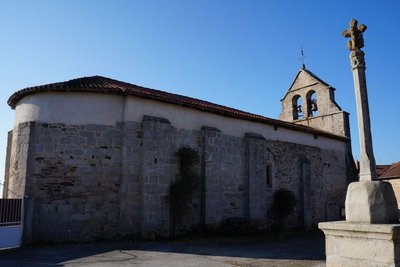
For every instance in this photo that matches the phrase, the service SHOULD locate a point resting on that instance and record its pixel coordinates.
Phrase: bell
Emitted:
(314, 106)
(299, 109)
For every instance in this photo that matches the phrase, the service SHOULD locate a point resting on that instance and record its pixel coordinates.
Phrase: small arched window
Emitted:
(312, 106)
(297, 108)
(268, 175)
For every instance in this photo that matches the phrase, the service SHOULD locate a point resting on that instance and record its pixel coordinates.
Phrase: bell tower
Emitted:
(310, 101)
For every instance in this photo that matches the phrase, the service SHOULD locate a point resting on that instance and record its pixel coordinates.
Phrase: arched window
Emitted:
(268, 175)
(297, 108)
(312, 106)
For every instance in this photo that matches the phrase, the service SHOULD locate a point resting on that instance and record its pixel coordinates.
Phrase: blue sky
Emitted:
(242, 54)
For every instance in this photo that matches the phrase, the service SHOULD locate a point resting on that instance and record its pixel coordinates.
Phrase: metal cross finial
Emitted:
(302, 59)
(355, 33)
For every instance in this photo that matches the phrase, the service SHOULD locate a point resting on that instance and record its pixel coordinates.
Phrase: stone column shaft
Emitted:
(367, 160)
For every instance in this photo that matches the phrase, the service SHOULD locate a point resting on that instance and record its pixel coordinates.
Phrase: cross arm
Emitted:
(346, 33)
(362, 27)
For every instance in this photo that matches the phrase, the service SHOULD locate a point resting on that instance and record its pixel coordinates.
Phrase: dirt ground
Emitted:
(281, 250)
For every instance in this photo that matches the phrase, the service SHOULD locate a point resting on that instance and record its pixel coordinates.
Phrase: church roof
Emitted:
(391, 172)
(103, 85)
(380, 169)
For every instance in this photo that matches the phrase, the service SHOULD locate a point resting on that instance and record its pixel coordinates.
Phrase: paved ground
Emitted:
(299, 250)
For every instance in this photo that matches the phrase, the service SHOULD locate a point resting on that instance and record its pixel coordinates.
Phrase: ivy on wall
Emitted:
(283, 204)
(183, 189)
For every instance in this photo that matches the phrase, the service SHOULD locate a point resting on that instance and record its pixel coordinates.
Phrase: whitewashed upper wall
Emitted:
(104, 109)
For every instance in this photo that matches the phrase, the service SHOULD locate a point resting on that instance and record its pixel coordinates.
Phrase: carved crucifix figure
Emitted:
(355, 33)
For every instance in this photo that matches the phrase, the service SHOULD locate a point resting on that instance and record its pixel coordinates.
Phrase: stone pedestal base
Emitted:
(359, 244)
(371, 202)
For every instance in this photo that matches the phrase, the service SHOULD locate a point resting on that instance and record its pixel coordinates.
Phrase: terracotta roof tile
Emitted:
(380, 169)
(98, 84)
(392, 172)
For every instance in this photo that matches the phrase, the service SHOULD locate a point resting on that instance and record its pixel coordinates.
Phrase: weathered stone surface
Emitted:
(396, 188)
(371, 202)
(355, 33)
(7, 167)
(18, 159)
(367, 159)
(361, 244)
(321, 113)
(93, 181)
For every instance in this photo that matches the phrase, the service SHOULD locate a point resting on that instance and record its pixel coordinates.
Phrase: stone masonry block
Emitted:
(361, 244)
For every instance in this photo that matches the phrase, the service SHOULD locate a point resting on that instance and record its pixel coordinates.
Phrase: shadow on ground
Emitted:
(304, 249)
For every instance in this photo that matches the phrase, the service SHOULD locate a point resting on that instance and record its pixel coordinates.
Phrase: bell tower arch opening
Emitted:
(312, 106)
(297, 107)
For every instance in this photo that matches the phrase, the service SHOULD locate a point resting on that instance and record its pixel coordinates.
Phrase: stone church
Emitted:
(95, 157)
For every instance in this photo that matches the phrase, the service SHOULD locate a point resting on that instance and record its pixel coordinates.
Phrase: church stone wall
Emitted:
(336, 123)
(256, 167)
(223, 165)
(315, 175)
(100, 181)
(396, 188)
(74, 180)
(130, 191)
(18, 153)
(7, 167)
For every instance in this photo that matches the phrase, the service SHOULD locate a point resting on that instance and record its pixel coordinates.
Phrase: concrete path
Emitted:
(304, 250)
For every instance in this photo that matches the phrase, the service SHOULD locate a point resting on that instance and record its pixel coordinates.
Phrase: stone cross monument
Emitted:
(367, 201)
(370, 236)
(367, 160)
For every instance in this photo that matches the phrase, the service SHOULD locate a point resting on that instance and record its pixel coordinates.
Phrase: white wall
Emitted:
(88, 108)
(70, 108)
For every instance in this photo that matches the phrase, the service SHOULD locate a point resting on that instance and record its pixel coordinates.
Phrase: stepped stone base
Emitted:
(361, 244)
